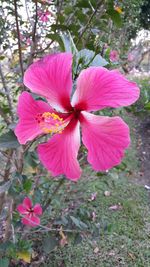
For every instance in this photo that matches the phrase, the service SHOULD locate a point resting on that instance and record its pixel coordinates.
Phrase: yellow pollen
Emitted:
(51, 123)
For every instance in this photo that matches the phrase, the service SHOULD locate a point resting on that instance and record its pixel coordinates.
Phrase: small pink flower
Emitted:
(28, 41)
(43, 15)
(93, 196)
(114, 56)
(30, 214)
(97, 88)
(130, 57)
(21, 36)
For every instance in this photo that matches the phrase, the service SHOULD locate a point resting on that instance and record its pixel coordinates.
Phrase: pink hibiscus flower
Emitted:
(114, 56)
(130, 57)
(43, 15)
(30, 213)
(97, 88)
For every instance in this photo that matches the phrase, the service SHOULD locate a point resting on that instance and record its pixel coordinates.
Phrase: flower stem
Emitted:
(60, 183)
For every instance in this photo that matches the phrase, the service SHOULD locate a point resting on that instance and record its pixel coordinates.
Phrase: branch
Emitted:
(3, 115)
(47, 229)
(60, 183)
(6, 178)
(33, 47)
(7, 96)
(89, 21)
(18, 36)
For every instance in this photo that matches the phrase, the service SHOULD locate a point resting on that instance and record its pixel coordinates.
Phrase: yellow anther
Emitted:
(52, 123)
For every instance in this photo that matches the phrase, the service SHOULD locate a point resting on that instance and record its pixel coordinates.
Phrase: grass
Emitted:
(118, 237)
(106, 237)
(124, 235)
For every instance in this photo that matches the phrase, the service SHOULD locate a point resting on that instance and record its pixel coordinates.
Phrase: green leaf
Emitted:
(99, 61)
(4, 262)
(89, 58)
(56, 37)
(78, 222)
(68, 10)
(75, 221)
(31, 159)
(59, 27)
(147, 106)
(83, 3)
(27, 185)
(115, 16)
(69, 45)
(77, 239)
(2, 57)
(49, 243)
(9, 140)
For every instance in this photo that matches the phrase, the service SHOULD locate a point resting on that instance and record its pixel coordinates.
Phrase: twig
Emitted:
(89, 22)
(3, 115)
(8, 166)
(11, 217)
(18, 36)
(33, 46)
(58, 12)
(8, 157)
(54, 192)
(6, 178)
(9, 225)
(27, 147)
(7, 92)
(47, 229)
(42, 50)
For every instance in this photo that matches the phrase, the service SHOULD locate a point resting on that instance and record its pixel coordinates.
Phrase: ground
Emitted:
(119, 219)
(143, 134)
(108, 213)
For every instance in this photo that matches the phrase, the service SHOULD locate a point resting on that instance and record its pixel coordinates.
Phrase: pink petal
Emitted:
(25, 221)
(37, 209)
(44, 18)
(51, 77)
(27, 203)
(105, 138)
(114, 56)
(59, 155)
(47, 13)
(98, 88)
(28, 128)
(22, 209)
(31, 220)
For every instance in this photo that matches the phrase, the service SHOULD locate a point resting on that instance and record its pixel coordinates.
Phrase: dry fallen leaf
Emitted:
(107, 193)
(25, 256)
(63, 240)
(132, 256)
(115, 207)
(94, 216)
(96, 250)
(93, 196)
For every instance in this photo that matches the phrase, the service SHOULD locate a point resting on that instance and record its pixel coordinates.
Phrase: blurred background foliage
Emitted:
(90, 29)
